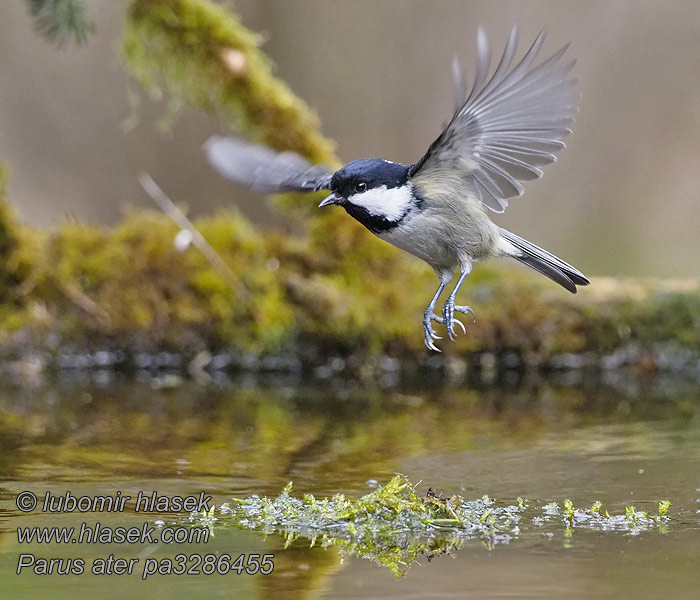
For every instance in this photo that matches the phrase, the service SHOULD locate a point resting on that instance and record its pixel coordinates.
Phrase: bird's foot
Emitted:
(448, 316)
(429, 331)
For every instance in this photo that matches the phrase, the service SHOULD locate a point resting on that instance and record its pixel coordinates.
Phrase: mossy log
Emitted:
(89, 288)
(333, 290)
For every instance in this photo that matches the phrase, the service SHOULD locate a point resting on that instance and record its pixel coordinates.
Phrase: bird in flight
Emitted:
(505, 128)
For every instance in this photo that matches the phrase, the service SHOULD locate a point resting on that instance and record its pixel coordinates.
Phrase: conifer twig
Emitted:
(61, 21)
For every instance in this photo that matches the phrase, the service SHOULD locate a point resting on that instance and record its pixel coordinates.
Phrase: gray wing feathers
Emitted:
(263, 169)
(459, 84)
(510, 124)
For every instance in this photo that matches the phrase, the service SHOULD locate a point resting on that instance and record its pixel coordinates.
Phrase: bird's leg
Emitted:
(448, 311)
(429, 316)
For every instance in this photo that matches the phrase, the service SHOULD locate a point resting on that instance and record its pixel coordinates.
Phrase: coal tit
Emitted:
(503, 130)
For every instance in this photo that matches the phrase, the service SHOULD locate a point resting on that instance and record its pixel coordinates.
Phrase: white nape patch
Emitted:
(390, 203)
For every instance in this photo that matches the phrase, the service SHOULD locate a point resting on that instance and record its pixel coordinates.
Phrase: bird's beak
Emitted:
(332, 199)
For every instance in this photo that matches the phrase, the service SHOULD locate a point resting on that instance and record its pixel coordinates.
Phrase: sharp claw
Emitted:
(451, 332)
(448, 315)
(430, 346)
(466, 310)
(430, 332)
(450, 320)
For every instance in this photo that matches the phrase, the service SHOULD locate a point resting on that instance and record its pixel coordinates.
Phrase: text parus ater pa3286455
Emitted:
(503, 131)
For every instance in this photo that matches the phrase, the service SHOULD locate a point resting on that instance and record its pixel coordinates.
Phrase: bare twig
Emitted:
(85, 303)
(214, 258)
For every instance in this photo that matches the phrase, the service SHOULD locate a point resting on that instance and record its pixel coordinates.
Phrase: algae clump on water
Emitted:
(393, 525)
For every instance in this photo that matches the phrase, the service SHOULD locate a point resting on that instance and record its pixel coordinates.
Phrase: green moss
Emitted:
(20, 255)
(131, 283)
(197, 52)
(9, 276)
(131, 286)
(394, 525)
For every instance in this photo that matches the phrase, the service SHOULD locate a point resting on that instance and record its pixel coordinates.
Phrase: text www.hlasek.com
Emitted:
(98, 534)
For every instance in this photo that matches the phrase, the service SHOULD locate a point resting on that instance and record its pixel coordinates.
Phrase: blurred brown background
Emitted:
(623, 199)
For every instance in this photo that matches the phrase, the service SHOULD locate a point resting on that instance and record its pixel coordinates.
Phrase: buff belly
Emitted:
(446, 238)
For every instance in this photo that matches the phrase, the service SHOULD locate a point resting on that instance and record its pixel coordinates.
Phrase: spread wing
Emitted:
(507, 127)
(263, 169)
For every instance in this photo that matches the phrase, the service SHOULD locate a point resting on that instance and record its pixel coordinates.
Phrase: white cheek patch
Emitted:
(383, 202)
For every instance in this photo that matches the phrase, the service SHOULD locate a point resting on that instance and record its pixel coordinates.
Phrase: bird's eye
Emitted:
(360, 187)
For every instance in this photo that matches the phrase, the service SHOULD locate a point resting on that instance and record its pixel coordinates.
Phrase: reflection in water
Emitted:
(258, 438)
(541, 439)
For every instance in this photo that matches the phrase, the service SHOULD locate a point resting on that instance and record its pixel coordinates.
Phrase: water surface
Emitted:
(621, 444)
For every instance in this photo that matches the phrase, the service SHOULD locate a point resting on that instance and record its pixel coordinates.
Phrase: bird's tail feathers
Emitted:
(544, 262)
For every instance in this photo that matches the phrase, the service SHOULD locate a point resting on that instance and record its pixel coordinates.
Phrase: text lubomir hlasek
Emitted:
(144, 502)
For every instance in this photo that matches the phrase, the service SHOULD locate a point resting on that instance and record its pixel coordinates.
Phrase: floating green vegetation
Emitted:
(394, 526)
